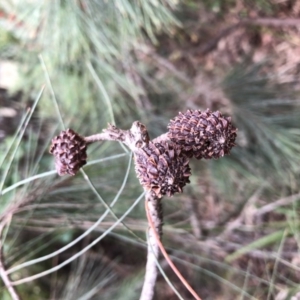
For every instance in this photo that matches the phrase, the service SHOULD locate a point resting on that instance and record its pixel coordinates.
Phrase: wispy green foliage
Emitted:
(84, 53)
(267, 115)
(74, 34)
(87, 278)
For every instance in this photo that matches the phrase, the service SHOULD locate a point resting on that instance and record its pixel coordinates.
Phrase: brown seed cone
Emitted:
(69, 149)
(162, 168)
(202, 134)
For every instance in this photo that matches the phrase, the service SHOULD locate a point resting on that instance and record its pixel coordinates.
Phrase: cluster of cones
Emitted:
(162, 167)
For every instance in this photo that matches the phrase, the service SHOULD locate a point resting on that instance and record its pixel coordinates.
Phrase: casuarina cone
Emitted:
(162, 168)
(202, 134)
(69, 149)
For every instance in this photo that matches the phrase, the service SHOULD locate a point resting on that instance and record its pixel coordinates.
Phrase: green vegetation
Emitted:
(233, 233)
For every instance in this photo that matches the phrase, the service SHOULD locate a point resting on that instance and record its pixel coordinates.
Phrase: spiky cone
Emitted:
(202, 134)
(162, 168)
(69, 149)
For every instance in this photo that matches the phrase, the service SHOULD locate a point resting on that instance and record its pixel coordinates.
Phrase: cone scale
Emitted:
(202, 134)
(162, 168)
(69, 149)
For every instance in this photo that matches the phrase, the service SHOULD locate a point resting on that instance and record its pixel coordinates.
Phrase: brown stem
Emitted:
(165, 254)
(135, 138)
(112, 133)
(278, 203)
(270, 22)
(153, 203)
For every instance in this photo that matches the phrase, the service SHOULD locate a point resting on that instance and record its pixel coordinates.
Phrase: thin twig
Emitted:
(273, 22)
(270, 22)
(153, 203)
(281, 202)
(112, 133)
(191, 207)
(244, 209)
(163, 251)
(213, 43)
(162, 62)
(7, 282)
(135, 138)
(4, 274)
(82, 251)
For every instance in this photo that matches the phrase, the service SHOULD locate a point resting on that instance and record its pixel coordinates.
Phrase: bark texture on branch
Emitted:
(155, 210)
(161, 165)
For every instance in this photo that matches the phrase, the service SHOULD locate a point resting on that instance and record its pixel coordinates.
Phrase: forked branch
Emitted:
(162, 166)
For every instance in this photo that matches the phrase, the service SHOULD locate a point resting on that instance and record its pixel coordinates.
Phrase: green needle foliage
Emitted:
(85, 54)
(70, 35)
(267, 115)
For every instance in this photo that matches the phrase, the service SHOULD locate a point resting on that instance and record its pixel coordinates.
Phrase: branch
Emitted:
(153, 225)
(135, 138)
(153, 203)
(278, 203)
(270, 22)
(162, 167)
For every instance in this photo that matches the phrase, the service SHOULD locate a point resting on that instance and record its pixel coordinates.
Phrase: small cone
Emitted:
(69, 149)
(162, 168)
(202, 134)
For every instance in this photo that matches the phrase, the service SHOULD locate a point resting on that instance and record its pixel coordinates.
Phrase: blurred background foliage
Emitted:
(234, 231)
